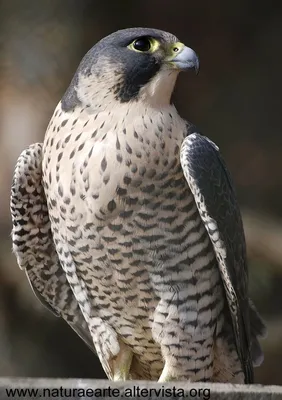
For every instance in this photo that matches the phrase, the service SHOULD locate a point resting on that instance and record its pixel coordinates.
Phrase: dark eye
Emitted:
(142, 44)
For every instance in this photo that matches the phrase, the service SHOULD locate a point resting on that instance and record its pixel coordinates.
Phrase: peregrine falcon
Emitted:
(144, 223)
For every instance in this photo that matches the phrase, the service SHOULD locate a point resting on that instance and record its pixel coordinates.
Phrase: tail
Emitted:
(258, 330)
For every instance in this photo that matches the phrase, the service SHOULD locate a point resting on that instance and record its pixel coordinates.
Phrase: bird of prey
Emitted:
(140, 220)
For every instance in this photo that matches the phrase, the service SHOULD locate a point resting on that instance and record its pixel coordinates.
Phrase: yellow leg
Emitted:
(122, 363)
(166, 375)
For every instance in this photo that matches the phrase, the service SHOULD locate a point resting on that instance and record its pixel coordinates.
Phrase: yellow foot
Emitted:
(122, 363)
(166, 375)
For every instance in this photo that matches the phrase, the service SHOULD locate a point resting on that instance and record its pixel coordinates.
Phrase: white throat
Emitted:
(158, 91)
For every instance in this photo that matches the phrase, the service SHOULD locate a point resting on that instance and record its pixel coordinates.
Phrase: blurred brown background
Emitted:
(235, 100)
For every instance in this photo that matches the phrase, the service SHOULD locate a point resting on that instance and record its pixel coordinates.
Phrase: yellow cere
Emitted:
(173, 50)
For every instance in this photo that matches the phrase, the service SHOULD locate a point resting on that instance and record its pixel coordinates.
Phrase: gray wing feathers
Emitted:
(258, 330)
(39, 296)
(33, 243)
(211, 185)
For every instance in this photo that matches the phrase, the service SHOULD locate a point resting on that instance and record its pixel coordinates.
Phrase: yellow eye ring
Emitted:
(144, 44)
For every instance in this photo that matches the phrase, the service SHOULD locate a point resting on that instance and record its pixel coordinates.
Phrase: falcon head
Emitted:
(128, 65)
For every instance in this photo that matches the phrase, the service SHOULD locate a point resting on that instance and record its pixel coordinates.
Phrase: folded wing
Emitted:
(33, 243)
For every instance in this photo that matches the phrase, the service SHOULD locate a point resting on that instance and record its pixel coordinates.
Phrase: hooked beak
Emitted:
(183, 58)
